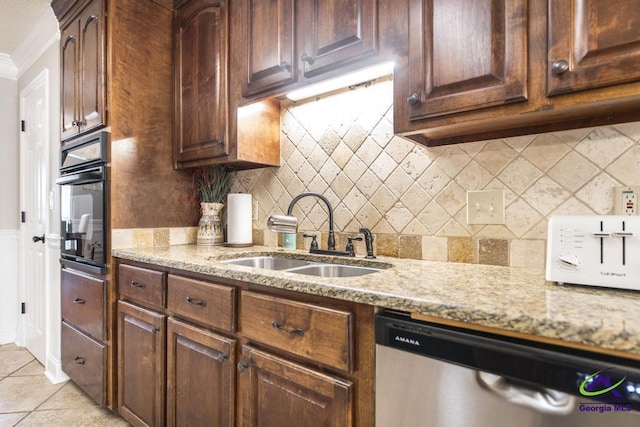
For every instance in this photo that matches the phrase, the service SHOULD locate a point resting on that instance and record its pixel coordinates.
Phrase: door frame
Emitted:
(53, 365)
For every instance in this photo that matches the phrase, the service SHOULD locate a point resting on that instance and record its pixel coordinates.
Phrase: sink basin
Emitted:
(333, 270)
(269, 262)
(313, 267)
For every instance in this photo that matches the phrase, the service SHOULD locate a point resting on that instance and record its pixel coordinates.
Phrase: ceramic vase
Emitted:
(210, 225)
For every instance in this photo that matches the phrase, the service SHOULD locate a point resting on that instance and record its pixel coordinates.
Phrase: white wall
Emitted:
(9, 207)
(9, 154)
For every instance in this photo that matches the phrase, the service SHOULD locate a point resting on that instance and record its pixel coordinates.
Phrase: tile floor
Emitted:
(27, 398)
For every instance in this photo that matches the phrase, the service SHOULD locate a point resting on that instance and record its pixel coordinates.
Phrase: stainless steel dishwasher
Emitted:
(429, 375)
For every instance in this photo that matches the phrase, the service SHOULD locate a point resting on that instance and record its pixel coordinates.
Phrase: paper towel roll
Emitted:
(239, 219)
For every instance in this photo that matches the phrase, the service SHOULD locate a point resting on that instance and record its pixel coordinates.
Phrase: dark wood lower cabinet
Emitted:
(200, 376)
(274, 389)
(141, 365)
(85, 361)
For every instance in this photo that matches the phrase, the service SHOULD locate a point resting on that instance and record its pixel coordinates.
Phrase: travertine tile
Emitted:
(161, 237)
(573, 171)
(386, 245)
(603, 145)
(11, 419)
(434, 248)
(544, 151)
(527, 253)
(462, 249)
(546, 195)
(13, 360)
(90, 417)
(410, 247)
(493, 252)
(26, 393)
(69, 396)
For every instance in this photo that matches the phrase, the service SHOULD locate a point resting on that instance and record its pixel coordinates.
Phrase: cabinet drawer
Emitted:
(142, 284)
(84, 360)
(317, 333)
(207, 303)
(83, 302)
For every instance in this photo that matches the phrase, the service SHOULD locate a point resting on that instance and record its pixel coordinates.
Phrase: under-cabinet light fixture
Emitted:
(347, 80)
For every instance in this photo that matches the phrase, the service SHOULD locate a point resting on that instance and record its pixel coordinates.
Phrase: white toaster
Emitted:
(595, 250)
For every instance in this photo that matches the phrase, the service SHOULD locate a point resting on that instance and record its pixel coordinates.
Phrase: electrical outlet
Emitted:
(485, 207)
(625, 200)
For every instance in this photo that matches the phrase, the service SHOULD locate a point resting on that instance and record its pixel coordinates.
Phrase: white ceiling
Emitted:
(18, 18)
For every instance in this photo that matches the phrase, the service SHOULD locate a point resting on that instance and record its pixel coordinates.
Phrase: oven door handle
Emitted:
(80, 178)
(540, 399)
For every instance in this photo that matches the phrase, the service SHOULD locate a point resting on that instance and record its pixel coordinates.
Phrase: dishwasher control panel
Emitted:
(595, 250)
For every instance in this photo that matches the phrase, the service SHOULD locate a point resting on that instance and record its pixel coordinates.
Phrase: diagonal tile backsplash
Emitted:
(343, 147)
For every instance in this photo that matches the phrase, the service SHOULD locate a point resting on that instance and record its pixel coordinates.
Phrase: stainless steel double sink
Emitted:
(304, 266)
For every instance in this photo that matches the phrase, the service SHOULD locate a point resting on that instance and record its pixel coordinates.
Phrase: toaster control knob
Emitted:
(568, 261)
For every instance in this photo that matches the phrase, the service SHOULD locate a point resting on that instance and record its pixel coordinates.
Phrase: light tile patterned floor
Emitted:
(27, 398)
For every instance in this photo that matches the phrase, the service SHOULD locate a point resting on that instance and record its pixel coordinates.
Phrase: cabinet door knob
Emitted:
(136, 284)
(38, 239)
(78, 301)
(79, 360)
(306, 58)
(413, 99)
(243, 365)
(559, 67)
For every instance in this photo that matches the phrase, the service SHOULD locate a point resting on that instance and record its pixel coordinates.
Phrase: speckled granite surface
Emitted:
(512, 299)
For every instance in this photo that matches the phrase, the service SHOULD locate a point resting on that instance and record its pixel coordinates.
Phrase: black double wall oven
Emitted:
(83, 203)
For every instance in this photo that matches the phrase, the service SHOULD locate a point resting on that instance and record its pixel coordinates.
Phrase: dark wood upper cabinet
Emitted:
(465, 55)
(82, 56)
(334, 33)
(201, 62)
(486, 69)
(289, 43)
(592, 44)
(209, 125)
(270, 44)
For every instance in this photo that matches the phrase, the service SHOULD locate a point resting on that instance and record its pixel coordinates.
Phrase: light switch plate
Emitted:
(485, 207)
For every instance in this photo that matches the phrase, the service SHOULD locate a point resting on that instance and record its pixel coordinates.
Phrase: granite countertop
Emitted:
(511, 299)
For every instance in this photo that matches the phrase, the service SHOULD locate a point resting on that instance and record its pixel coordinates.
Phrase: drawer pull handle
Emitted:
(78, 301)
(201, 303)
(137, 285)
(295, 331)
(79, 360)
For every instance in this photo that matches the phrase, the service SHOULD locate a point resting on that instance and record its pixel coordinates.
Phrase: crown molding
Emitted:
(46, 33)
(8, 69)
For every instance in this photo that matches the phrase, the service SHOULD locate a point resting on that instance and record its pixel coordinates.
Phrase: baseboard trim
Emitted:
(54, 372)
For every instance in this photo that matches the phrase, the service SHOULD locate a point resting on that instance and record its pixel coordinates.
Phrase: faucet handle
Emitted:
(350, 247)
(368, 239)
(314, 242)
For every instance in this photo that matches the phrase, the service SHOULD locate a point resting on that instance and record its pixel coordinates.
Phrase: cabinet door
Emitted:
(464, 55)
(273, 389)
(69, 51)
(92, 67)
(141, 365)
(592, 44)
(336, 32)
(269, 33)
(200, 377)
(201, 39)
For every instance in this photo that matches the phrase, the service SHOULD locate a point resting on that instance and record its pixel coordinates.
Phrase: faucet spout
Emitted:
(331, 243)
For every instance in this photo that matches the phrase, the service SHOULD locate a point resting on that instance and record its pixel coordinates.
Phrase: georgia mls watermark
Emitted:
(599, 385)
